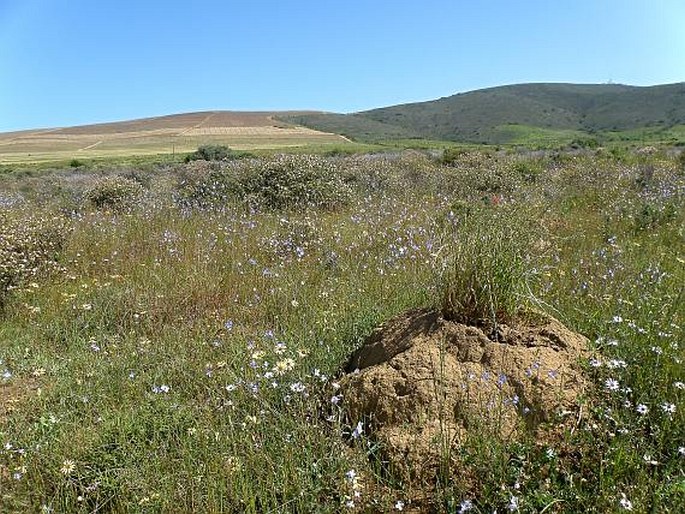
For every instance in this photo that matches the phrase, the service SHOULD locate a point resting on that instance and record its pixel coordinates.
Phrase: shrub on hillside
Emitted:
(117, 194)
(210, 153)
(528, 170)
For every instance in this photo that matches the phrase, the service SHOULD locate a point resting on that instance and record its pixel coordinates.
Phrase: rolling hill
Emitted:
(164, 134)
(507, 113)
(527, 114)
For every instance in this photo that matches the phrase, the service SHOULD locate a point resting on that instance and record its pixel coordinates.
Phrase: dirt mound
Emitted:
(424, 384)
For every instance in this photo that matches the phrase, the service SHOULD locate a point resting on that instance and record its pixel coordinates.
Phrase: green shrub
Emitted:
(296, 182)
(452, 155)
(208, 185)
(528, 170)
(210, 153)
(584, 142)
(652, 214)
(117, 194)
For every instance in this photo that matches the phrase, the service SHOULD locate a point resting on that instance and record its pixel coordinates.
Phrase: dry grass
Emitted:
(162, 135)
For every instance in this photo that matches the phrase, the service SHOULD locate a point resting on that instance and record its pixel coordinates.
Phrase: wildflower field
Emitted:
(173, 337)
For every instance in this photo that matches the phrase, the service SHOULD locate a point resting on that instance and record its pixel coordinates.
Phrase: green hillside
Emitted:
(505, 114)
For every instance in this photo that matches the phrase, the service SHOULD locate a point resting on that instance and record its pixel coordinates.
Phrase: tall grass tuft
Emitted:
(487, 264)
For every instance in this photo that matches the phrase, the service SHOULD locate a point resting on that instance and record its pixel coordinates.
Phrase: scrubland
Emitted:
(172, 339)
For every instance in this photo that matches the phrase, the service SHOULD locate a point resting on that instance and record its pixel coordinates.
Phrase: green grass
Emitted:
(526, 135)
(175, 359)
(674, 135)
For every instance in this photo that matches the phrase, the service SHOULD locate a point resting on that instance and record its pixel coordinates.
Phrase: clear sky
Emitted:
(69, 62)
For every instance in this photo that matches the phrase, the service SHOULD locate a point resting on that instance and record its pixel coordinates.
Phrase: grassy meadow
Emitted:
(172, 336)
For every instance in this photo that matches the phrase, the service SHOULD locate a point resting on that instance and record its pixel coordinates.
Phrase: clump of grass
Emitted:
(487, 264)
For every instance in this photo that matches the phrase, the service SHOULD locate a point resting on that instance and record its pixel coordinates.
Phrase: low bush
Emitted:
(117, 194)
(210, 153)
(296, 182)
(681, 160)
(451, 156)
(29, 246)
(207, 185)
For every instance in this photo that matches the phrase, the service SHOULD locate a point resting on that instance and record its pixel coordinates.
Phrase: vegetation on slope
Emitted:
(481, 116)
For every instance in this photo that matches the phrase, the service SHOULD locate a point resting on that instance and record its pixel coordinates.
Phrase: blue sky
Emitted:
(69, 62)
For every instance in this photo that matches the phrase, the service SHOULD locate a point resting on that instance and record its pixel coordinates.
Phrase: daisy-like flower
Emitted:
(642, 409)
(648, 459)
(68, 467)
(513, 505)
(668, 408)
(625, 502)
(465, 506)
(283, 366)
(611, 384)
(399, 505)
(358, 431)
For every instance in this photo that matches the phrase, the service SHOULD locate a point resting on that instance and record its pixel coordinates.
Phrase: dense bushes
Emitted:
(285, 182)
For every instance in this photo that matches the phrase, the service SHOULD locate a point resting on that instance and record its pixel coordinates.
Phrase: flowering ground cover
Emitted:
(173, 339)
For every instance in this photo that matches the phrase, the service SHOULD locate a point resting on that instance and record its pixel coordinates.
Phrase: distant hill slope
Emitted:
(171, 134)
(496, 115)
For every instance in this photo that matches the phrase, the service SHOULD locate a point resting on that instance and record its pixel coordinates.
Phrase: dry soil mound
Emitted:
(424, 384)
